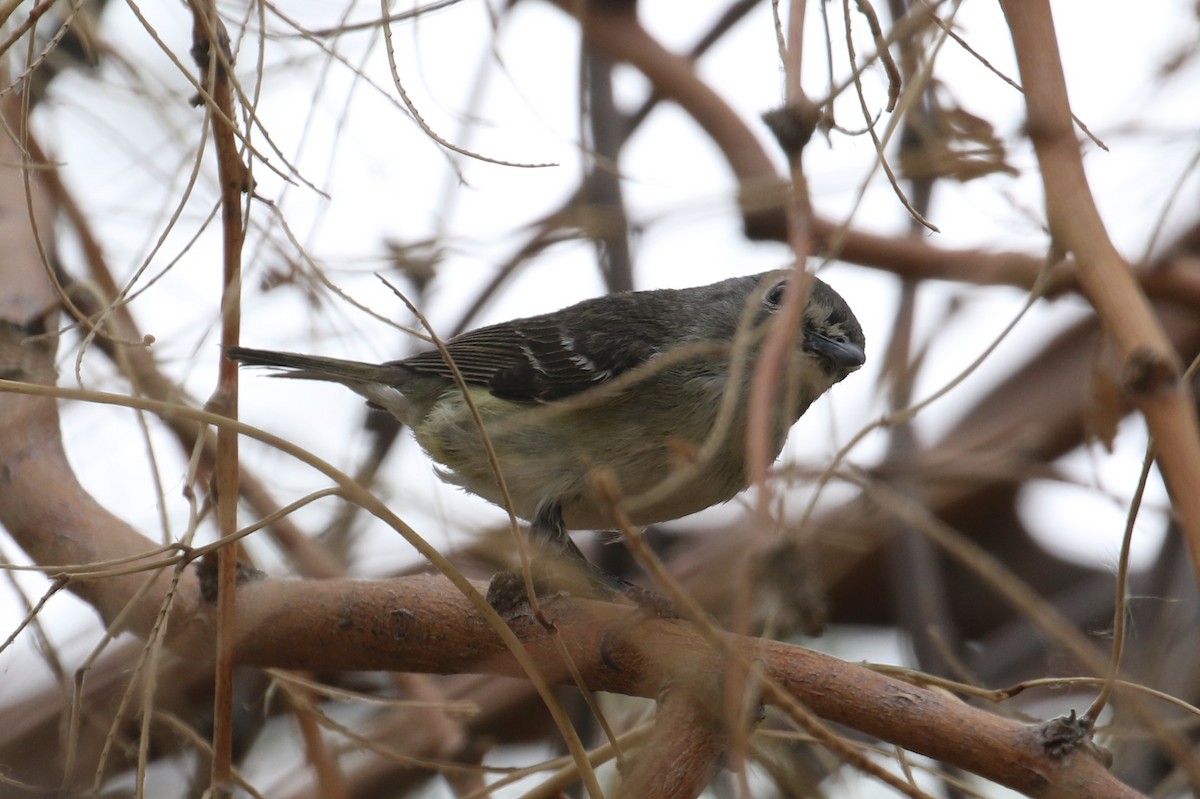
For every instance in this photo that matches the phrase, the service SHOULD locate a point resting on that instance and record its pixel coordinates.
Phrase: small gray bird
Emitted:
(649, 388)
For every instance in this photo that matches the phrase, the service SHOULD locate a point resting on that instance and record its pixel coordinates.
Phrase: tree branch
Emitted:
(1151, 366)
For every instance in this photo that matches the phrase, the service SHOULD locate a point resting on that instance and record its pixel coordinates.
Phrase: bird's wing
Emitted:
(553, 356)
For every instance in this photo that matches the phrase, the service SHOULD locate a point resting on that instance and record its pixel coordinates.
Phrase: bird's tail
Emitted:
(314, 367)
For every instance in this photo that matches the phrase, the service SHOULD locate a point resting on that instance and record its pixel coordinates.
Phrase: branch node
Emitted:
(1145, 371)
(1063, 736)
(793, 125)
(206, 571)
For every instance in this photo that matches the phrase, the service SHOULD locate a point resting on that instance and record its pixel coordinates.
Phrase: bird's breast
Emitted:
(667, 450)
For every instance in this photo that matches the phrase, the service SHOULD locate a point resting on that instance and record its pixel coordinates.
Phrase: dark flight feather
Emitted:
(540, 359)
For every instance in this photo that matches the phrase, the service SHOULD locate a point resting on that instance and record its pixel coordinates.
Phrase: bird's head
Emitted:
(831, 339)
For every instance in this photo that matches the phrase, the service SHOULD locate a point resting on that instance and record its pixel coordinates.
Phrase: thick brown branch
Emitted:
(1175, 280)
(1152, 366)
(682, 754)
(42, 505)
(424, 624)
(619, 35)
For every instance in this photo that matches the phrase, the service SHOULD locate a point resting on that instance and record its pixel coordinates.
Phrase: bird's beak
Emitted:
(841, 354)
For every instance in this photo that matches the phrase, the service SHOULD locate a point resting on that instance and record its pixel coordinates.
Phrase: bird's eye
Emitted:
(774, 296)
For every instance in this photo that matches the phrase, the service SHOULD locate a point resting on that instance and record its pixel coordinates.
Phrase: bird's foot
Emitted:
(507, 589)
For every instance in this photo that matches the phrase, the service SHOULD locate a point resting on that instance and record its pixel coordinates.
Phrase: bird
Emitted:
(642, 396)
